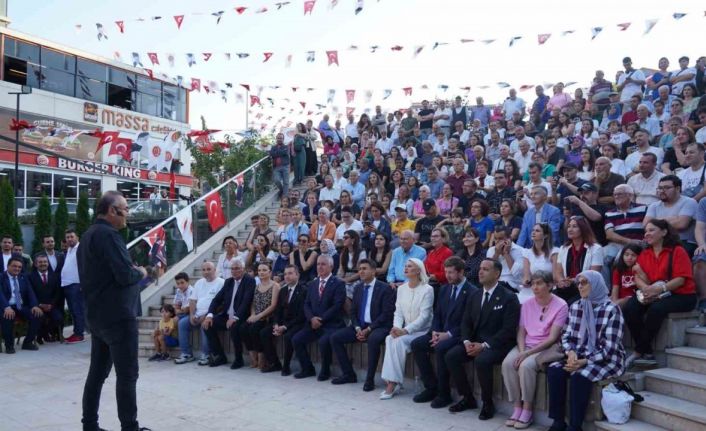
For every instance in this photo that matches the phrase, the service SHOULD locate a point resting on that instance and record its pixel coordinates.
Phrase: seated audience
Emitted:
(322, 228)
(625, 271)
(47, 289)
(164, 334)
(540, 212)
(541, 257)
(263, 305)
(434, 262)
(579, 253)
(509, 255)
(17, 299)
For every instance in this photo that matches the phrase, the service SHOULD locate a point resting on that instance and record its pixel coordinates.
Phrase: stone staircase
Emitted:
(150, 321)
(675, 395)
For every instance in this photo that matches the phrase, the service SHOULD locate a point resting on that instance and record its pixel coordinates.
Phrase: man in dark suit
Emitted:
(109, 287)
(488, 332)
(445, 333)
(371, 321)
(323, 309)
(47, 288)
(6, 244)
(56, 258)
(289, 319)
(17, 299)
(228, 310)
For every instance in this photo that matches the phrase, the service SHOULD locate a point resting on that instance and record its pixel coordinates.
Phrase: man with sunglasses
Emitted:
(109, 281)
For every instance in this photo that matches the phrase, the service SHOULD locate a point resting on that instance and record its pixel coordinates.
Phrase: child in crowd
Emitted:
(182, 295)
(165, 334)
(625, 270)
(456, 230)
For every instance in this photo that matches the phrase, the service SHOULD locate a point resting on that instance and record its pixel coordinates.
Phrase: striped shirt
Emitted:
(608, 358)
(627, 223)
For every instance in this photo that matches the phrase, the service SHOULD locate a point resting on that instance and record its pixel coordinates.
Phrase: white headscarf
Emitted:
(598, 296)
(423, 277)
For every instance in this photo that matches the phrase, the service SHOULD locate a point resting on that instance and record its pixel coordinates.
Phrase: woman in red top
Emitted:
(434, 263)
(667, 286)
(625, 271)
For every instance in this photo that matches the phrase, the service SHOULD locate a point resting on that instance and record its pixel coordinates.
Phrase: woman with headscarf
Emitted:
(413, 314)
(593, 346)
(328, 248)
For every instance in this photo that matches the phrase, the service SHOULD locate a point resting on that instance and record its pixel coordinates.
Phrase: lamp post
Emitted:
(26, 89)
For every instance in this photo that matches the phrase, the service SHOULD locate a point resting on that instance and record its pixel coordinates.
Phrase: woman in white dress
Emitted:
(540, 257)
(413, 314)
(230, 253)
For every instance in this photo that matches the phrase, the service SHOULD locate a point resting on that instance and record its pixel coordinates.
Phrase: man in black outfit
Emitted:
(289, 319)
(323, 309)
(445, 333)
(110, 288)
(488, 331)
(47, 288)
(228, 310)
(371, 321)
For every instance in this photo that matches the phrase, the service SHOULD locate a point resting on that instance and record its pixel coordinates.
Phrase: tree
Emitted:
(8, 222)
(61, 219)
(42, 225)
(83, 217)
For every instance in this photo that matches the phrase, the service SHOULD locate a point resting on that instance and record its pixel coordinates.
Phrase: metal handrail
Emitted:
(192, 205)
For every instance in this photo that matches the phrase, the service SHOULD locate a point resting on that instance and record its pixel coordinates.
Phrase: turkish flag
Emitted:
(267, 56)
(121, 147)
(309, 6)
(121, 26)
(332, 57)
(107, 138)
(179, 19)
(172, 185)
(254, 100)
(153, 57)
(214, 210)
(196, 84)
(350, 95)
(407, 91)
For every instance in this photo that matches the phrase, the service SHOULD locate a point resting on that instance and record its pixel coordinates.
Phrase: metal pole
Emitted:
(228, 202)
(16, 175)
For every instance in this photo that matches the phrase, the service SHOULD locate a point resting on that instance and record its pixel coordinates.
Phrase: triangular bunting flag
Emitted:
(190, 59)
(649, 25)
(349, 111)
(678, 15)
(267, 55)
(624, 26)
(288, 61)
(332, 57)
(397, 48)
(101, 32)
(438, 44)
(136, 60)
(240, 9)
(218, 16)
(595, 31)
(170, 59)
(280, 4)
(310, 56)
(242, 54)
(206, 55)
(514, 39)
(488, 41)
(358, 6)
(254, 100)
(309, 6)
(407, 91)
(386, 93)
(178, 19)
(418, 49)
(196, 84)
(303, 104)
(350, 95)
(331, 95)
(121, 26)
(153, 58)
(542, 38)
(467, 40)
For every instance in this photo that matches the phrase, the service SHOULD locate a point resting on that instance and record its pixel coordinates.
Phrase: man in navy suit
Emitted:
(47, 288)
(17, 299)
(323, 309)
(228, 310)
(371, 321)
(547, 214)
(488, 332)
(445, 333)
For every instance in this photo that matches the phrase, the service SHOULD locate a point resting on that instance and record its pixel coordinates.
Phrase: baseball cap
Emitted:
(588, 187)
(428, 204)
(401, 207)
(570, 165)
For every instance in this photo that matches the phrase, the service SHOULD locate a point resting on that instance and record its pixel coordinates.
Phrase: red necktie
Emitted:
(44, 278)
(322, 285)
(481, 182)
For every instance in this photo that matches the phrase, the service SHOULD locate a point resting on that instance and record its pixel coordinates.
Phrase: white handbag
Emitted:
(616, 404)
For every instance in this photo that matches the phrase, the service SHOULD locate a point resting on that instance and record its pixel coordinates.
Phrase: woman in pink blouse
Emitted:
(541, 321)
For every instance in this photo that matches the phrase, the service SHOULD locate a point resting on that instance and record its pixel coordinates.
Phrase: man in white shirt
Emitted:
(379, 120)
(7, 243)
(204, 291)
(442, 118)
(493, 126)
(645, 182)
(693, 177)
(329, 192)
(499, 163)
(645, 121)
(352, 130)
(519, 136)
(679, 78)
(523, 157)
(384, 144)
(630, 82)
(642, 139)
(701, 133)
(71, 286)
(513, 104)
(509, 255)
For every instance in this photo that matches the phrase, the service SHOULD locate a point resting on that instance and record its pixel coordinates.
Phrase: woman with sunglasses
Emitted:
(542, 318)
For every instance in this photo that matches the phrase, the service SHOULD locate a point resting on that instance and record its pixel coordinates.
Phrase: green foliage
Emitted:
(244, 153)
(61, 219)
(8, 222)
(42, 225)
(83, 216)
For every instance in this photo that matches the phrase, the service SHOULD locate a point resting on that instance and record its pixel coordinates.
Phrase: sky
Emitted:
(386, 23)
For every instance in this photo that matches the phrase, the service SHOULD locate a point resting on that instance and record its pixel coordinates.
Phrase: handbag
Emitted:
(616, 404)
(553, 354)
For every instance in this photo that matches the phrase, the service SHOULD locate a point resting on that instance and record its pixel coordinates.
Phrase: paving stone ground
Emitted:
(42, 391)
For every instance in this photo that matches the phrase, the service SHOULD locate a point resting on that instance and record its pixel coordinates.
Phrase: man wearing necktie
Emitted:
(46, 286)
(17, 299)
(488, 332)
(324, 312)
(288, 320)
(371, 321)
(445, 333)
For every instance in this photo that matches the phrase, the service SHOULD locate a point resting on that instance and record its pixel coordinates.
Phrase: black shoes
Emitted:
(425, 396)
(464, 404)
(9, 349)
(217, 361)
(558, 426)
(236, 364)
(342, 380)
(440, 402)
(286, 371)
(272, 368)
(322, 377)
(487, 412)
(29, 346)
(303, 374)
(369, 385)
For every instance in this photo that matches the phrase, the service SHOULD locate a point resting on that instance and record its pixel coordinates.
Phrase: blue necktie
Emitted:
(363, 305)
(453, 293)
(18, 296)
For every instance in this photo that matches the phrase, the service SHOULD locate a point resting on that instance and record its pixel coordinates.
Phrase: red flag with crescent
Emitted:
(214, 210)
(267, 56)
(332, 57)
(350, 95)
(121, 26)
(309, 6)
(407, 91)
(153, 57)
(107, 138)
(196, 84)
(121, 147)
(254, 100)
(240, 9)
(179, 19)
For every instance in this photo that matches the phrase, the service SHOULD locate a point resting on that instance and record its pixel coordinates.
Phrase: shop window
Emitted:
(21, 72)
(120, 96)
(38, 184)
(56, 60)
(57, 81)
(148, 104)
(63, 183)
(90, 89)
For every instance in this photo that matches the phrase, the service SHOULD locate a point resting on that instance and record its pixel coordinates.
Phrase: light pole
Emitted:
(26, 89)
